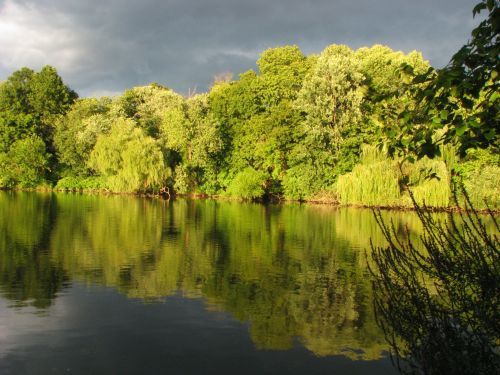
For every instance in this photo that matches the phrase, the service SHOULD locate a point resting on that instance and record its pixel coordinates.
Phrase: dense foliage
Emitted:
(460, 103)
(294, 129)
(30, 103)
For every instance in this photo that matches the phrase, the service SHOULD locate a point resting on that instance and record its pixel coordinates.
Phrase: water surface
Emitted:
(121, 284)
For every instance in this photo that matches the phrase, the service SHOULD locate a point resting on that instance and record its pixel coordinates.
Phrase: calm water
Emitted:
(125, 285)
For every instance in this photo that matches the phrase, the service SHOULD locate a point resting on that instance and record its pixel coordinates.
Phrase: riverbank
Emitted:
(323, 200)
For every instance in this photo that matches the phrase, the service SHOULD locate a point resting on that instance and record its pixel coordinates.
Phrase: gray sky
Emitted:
(106, 46)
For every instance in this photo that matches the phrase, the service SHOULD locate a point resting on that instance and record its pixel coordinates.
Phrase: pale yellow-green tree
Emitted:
(129, 160)
(145, 105)
(332, 94)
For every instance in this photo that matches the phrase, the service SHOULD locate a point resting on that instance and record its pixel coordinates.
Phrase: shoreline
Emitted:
(312, 202)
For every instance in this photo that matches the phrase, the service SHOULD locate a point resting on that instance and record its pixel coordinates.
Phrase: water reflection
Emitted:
(292, 272)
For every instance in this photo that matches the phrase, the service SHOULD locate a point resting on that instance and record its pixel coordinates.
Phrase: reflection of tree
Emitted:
(27, 274)
(112, 240)
(335, 309)
(278, 268)
(360, 228)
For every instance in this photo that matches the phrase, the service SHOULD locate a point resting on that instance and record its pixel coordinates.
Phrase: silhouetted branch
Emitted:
(438, 303)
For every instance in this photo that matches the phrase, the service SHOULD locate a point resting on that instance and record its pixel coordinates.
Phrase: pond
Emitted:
(129, 285)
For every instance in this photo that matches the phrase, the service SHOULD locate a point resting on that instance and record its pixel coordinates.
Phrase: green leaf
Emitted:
(421, 78)
(460, 130)
(436, 120)
(478, 8)
(405, 141)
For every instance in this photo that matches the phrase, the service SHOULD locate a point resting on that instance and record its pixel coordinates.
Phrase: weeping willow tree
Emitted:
(129, 160)
(382, 181)
(429, 181)
(375, 181)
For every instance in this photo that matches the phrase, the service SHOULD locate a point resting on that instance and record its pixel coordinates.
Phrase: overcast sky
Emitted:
(106, 46)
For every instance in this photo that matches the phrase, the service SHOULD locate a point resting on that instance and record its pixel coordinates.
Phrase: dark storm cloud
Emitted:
(109, 45)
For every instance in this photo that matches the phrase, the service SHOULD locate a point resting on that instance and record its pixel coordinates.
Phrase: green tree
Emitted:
(256, 118)
(26, 164)
(30, 104)
(189, 130)
(458, 104)
(332, 95)
(76, 134)
(16, 114)
(15, 92)
(14, 127)
(248, 184)
(43, 95)
(330, 100)
(387, 92)
(192, 132)
(49, 96)
(282, 71)
(146, 105)
(129, 160)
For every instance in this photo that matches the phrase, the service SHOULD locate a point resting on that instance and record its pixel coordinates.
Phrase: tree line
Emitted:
(298, 127)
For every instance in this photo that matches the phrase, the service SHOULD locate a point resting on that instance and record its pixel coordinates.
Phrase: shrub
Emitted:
(303, 182)
(429, 182)
(483, 185)
(81, 183)
(25, 164)
(183, 180)
(248, 184)
(480, 172)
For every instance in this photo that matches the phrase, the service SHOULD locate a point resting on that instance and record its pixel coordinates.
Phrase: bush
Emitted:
(248, 184)
(183, 180)
(26, 163)
(480, 173)
(303, 182)
(429, 181)
(483, 185)
(81, 183)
